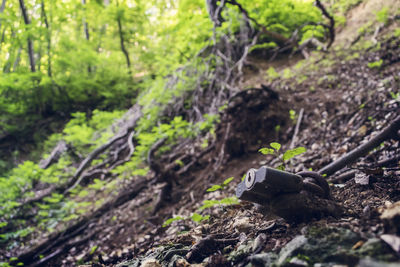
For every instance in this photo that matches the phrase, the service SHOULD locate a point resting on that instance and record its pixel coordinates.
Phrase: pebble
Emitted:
(150, 263)
(242, 224)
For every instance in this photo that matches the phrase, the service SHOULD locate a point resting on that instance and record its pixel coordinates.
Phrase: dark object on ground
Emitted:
(294, 197)
(306, 195)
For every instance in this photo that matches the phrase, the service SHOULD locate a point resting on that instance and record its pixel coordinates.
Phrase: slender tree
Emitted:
(86, 31)
(85, 24)
(48, 37)
(30, 43)
(3, 5)
(122, 40)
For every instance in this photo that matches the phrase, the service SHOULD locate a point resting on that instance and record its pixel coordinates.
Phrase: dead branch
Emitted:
(388, 133)
(86, 162)
(331, 22)
(296, 130)
(55, 155)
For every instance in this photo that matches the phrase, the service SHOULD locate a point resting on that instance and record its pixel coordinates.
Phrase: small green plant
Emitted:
(396, 32)
(293, 115)
(286, 156)
(395, 96)
(195, 217)
(220, 186)
(222, 202)
(375, 64)
(93, 250)
(383, 15)
(272, 74)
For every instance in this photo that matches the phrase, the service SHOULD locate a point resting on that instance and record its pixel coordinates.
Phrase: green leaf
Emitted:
(198, 217)
(266, 151)
(275, 146)
(171, 220)
(93, 250)
(214, 188)
(228, 180)
(291, 153)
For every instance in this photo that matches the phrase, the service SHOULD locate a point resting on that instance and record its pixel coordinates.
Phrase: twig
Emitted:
(86, 162)
(296, 130)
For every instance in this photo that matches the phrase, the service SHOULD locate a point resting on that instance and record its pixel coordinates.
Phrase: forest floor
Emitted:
(346, 100)
(348, 95)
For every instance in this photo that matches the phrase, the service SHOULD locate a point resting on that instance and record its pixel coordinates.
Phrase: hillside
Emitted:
(143, 170)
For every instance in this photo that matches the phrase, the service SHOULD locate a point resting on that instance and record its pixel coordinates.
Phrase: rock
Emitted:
(242, 224)
(263, 259)
(150, 263)
(377, 249)
(296, 262)
(288, 250)
(181, 263)
(393, 241)
(361, 178)
(217, 260)
(391, 218)
(129, 263)
(259, 242)
(371, 263)
(241, 252)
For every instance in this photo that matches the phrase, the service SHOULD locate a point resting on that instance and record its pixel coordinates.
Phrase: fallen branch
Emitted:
(351, 174)
(86, 162)
(296, 130)
(389, 132)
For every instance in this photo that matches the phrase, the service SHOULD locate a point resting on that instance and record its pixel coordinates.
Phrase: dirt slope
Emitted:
(345, 100)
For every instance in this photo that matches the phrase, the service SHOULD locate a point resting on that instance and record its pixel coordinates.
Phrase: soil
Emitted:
(344, 103)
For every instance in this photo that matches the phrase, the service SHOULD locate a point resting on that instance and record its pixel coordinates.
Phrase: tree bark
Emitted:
(122, 41)
(86, 32)
(85, 25)
(3, 5)
(30, 43)
(48, 37)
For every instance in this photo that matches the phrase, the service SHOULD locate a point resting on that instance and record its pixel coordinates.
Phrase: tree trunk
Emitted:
(48, 37)
(3, 5)
(86, 31)
(30, 44)
(122, 41)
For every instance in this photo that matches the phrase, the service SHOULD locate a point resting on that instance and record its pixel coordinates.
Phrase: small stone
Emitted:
(391, 217)
(242, 224)
(361, 178)
(263, 259)
(297, 262)
(182, 263)
(259, 242)
(290, 247)
(150, 263)
(371, 263)
(393, 241)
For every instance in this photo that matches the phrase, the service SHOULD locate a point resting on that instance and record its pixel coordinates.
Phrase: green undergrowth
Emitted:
(207, 203)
